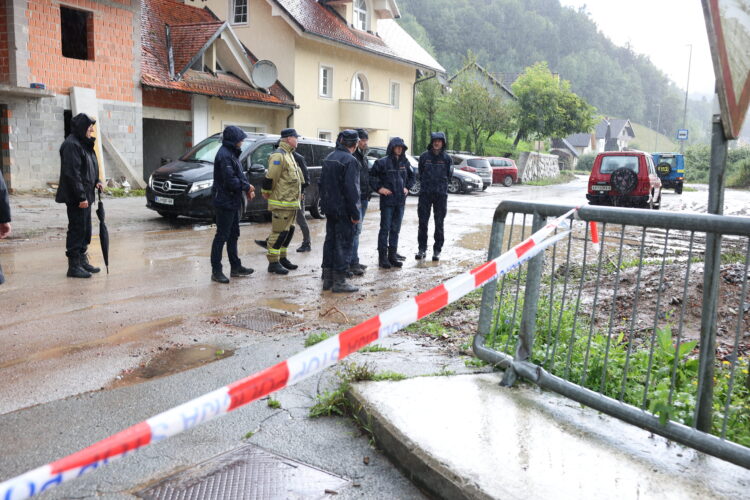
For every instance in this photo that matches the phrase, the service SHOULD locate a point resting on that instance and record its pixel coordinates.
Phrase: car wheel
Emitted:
(316, 210)
(167, 215)
(508, 181)
(678, 188)
(454, 186)
(485, 186)
(415, 188)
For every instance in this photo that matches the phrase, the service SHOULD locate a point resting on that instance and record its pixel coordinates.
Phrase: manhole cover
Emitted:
(249, 473)
(263, 320)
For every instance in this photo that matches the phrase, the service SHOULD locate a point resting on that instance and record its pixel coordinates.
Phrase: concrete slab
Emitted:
(467, 437)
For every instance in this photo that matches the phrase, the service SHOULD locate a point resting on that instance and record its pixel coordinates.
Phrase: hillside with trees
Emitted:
(508, 36)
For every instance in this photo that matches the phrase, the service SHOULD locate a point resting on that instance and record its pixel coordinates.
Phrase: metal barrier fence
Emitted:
(619, 328)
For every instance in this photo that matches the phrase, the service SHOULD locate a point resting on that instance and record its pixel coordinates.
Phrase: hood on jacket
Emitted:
(396, 141)
(233, 135)
(441, 136)
(80, 124)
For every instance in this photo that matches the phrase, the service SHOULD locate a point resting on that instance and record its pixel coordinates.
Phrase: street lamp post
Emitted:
(687, 87)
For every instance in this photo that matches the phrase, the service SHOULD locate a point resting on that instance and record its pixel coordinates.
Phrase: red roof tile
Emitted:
(190, 29)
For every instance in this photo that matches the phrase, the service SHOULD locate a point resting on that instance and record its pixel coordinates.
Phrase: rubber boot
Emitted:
(436, 255)
(393, 259)
(383, 258)
(277, 268)
(87, 266)
(420, 255)
(75, 270)
(341, 286)
(285, 262)
(327, 279)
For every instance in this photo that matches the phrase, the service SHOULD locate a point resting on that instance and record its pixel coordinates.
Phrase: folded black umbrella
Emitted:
(103, 232)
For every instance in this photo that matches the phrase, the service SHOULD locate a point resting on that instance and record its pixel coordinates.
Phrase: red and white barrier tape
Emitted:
(299, 367)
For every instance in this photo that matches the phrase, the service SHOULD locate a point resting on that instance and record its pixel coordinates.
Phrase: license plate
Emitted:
(163, 200)
(601, 188)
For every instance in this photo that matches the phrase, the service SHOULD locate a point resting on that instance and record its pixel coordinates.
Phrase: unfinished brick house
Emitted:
(86, 54)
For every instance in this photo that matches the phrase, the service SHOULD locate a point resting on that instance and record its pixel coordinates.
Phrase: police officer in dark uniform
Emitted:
(340, 197)
(435, 172)
(365, 193)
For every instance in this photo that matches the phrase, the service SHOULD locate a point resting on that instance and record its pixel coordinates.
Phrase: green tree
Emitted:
(547, 107)
(429, 101)
(457, 144)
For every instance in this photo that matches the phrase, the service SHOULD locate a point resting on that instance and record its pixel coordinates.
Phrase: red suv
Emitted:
(504, 171)
(624, 178)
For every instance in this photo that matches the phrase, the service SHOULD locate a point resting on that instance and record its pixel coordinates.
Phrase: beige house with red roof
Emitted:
(197, 78)
(347, 63)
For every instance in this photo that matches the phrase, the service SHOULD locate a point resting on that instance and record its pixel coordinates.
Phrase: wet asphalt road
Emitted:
(64, 338)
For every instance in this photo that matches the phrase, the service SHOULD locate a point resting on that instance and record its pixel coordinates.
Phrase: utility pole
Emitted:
(687, 86)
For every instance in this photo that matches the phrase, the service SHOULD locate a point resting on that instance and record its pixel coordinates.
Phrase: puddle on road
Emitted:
(125, 335)
(171, 361)
(281, 304)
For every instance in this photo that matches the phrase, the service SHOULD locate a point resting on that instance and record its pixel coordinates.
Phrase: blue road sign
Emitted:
(682, 134)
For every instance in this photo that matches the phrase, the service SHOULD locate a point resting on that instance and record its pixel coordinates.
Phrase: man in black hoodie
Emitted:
(79, 178)
(435, 171)
(5, 228)
(392, 177)
(230, 186)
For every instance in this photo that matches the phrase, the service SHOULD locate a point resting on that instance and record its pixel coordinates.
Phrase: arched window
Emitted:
(360, 15)
(359, 87)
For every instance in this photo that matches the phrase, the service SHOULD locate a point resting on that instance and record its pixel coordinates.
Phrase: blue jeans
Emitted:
(227, 231)
(338, 244)
(390, 226)
(357, 231)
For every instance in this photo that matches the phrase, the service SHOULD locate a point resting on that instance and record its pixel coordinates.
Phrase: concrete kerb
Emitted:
(421, 468)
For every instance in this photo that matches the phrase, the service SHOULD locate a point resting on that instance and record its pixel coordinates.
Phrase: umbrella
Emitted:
(103, 232)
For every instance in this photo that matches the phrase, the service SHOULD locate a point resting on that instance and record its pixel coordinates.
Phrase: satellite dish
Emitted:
(264, 74)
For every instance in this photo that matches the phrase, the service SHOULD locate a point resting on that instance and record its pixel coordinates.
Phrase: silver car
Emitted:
(474, 165)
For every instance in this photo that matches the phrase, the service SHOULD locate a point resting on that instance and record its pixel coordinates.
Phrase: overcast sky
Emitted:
(662, 30)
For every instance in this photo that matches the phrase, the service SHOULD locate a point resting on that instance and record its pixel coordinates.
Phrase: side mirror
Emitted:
(257, 168)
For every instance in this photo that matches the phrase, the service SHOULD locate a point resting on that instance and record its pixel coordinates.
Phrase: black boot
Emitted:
(87, 266)
(285, 262)
(277, 268)
(341, 286)
(262, 243)
(392, 259)
(356, 270)
(75, 270)
(219, 277)
(327, 279)
(304, 247)
(238, 272)
(400, 257)
(383, 259)
(420, 255)
(436, 255)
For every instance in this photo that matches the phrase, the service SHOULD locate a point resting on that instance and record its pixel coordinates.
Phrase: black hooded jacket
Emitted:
(4, 202)
(79, 169)
(435, 170)
(302, 164)
(393, 173)
(339, 185)
(230, 183)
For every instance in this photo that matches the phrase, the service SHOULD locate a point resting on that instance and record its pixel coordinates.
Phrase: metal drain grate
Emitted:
(247, 473)
(263, 320)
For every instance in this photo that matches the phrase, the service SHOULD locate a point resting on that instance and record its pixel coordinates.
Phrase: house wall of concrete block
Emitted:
(36, 125)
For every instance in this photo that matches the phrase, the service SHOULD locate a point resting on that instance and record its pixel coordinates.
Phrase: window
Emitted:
(321, 152)
(306, 151)
(326, 81)
(239, 11)
(395, 92)
(77, 33)
(612, 163)
(359, 87)
(261, 154)
(325, 135)
(360, 15)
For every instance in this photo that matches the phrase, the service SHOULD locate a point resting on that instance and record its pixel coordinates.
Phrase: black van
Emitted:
(183, 187)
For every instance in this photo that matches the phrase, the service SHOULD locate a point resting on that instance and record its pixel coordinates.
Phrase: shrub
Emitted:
(740, 174)
(586, 162)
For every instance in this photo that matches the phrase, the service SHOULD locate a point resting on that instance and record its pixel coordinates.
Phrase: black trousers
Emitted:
(337, 248)
(227, 231)
(429, 202)
(78, 238)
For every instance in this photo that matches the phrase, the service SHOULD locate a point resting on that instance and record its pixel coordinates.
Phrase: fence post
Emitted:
(711, 269)
(530, 303)
(489, 291)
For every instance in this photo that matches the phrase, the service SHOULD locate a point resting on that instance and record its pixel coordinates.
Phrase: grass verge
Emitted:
(561, 178)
